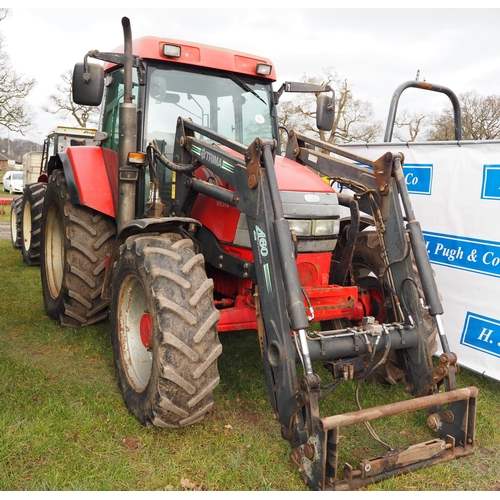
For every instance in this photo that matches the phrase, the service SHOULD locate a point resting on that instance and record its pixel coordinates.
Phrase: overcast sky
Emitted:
(374, 49)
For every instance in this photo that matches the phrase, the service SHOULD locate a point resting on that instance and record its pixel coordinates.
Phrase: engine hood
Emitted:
(293, 176)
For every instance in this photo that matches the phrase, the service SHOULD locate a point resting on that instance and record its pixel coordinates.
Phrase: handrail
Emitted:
(424, 86)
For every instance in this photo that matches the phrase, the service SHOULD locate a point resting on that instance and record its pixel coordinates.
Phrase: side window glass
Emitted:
(111, 109)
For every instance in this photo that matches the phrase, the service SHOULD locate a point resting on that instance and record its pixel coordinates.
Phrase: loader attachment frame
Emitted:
(251, 186)
(456, 425)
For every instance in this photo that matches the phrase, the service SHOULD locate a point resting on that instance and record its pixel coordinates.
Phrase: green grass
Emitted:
(64, 426)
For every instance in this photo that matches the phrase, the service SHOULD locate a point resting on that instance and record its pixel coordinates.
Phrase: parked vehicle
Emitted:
(13, 181)
(27, 217)
(187, 226)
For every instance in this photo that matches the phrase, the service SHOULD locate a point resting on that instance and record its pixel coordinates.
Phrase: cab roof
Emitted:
(197, 54)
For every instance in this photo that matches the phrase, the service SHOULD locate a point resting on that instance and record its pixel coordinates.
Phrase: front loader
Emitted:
(189, 227)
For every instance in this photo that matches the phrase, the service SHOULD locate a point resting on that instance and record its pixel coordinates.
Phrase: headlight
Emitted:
(300, 227)
(327, 227)
(304, 228)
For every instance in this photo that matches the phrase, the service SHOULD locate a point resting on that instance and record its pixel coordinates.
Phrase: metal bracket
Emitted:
(252, 159)
(382, 168)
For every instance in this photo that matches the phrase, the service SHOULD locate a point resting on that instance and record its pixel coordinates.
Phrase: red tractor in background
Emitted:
(178, 228)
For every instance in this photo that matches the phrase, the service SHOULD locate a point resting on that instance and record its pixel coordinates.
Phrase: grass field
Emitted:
(64, 426)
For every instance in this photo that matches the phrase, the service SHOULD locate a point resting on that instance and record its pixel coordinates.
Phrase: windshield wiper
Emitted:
(245, 87)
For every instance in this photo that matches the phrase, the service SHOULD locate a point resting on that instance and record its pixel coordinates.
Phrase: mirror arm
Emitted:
(117, 58)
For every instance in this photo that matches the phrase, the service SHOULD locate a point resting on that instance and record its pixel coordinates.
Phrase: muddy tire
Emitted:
(32, 222)
(16, 223)
(75, 243)
(367, 266)
(164, 330)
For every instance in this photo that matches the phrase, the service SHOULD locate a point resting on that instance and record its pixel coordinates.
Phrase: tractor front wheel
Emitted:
(164, 330)
(368, 265)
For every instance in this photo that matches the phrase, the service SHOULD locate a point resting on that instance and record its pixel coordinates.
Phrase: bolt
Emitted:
(448, 416)
(252, 181)
(434, 422)
(368, 467)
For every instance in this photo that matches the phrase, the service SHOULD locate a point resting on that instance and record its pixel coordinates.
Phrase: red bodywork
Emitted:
(205, 56)
(95, 170)
(238, 312)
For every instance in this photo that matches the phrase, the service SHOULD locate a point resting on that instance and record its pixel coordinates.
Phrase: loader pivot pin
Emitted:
(146, 329)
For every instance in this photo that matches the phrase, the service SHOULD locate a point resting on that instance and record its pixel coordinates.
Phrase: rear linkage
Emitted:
(283, 322)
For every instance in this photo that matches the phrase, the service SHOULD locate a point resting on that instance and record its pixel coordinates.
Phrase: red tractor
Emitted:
(178, 228)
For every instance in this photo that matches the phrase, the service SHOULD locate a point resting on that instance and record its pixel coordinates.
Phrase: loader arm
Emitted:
(245, 169)
(251, 186)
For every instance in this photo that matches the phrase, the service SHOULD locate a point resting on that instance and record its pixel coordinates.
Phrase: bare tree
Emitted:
(410, 124)
(480, 119)
(63, 105)
(15, 114)
(353, 117)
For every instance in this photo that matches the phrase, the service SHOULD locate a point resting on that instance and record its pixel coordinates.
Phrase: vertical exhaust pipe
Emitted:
(128, 137)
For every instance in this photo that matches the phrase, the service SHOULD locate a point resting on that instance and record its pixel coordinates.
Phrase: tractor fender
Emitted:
(140, 226)
(92, 176)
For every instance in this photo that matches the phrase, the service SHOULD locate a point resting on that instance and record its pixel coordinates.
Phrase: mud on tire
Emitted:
(75, 243)
(31, 214)
(164, 330)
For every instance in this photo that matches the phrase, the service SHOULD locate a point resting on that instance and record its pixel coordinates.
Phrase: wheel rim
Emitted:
(54, 251)
(27, 226)
(13, 225)
(135, 326)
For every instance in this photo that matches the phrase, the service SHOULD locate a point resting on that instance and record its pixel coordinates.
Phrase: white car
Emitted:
(13, 181)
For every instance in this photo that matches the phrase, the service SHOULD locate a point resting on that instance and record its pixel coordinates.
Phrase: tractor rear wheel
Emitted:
(75, 243)
(16, 223)
(32, 222)
(164, 330)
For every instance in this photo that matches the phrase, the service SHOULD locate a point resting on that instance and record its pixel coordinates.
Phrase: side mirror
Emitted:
(325, 111)
(88, 86)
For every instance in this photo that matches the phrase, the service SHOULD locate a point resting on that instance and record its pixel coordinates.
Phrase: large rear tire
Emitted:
(75, 243)
(32, 222)
(16, 223)
(164, 330)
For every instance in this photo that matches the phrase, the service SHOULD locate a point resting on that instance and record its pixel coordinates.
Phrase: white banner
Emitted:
(455, 194)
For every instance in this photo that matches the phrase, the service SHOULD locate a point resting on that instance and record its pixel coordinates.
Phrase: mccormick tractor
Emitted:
(180, 228)
(26, 211)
